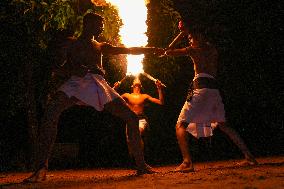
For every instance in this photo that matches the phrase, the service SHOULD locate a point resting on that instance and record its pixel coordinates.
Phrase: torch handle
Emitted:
(122, 79)
(176, 39)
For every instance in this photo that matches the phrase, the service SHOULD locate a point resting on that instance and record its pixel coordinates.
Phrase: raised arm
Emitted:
(159, 101)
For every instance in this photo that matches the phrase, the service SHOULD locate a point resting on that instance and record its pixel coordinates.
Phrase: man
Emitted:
(204, 108)
(136, 102)
(86, 85)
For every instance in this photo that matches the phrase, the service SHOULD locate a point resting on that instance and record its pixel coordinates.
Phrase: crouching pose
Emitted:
(85, 84)
(203, 109)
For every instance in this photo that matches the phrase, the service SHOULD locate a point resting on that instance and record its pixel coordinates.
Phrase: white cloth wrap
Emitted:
(143, 124)
(203, 111)
(92, 90)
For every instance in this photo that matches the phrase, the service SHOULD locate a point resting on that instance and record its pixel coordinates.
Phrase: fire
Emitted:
(134, 15)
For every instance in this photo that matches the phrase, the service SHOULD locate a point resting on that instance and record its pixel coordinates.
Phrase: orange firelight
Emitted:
(134, 15)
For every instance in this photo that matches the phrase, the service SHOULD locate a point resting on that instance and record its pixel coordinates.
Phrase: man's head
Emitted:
(194, 30)
(93, 23)
(136, 83)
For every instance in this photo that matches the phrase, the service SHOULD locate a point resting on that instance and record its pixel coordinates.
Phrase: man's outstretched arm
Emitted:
(113, 50)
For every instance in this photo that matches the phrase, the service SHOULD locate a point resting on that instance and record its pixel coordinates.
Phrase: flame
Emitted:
(134, 15)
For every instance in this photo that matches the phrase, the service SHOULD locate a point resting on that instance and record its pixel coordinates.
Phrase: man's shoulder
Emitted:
(125, 95)
(145, 95)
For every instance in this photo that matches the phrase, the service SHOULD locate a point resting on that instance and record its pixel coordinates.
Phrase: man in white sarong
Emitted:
(136, 101)
(85, 84)
(203, 109)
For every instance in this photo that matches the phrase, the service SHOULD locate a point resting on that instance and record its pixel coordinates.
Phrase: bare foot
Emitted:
(37, 176)
(147, 169)
(184, 168)
(248, 162)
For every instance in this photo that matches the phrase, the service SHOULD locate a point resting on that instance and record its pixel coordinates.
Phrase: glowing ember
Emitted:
(134, 15)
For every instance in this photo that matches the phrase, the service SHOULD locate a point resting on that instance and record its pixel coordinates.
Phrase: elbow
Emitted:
(161, 102)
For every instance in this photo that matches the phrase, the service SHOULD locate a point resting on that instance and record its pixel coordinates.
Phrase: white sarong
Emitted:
(92, 90)
(203, 111)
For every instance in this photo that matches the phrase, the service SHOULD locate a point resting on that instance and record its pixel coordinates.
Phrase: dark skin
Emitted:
(205, 60)
(86, 52)
(203, 54)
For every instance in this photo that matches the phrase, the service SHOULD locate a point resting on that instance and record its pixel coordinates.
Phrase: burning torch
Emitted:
(116, 84)
(152, 78)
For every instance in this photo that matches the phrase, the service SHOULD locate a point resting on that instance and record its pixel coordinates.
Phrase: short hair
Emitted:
(91, 17)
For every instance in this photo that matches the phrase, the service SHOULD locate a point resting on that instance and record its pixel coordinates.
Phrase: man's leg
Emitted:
(142, 135)
(182, 137)
(233, 135)
(141, 130)
(47, 133)
(119, 108)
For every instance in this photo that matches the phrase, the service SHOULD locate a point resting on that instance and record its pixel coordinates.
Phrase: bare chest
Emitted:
(136, 99)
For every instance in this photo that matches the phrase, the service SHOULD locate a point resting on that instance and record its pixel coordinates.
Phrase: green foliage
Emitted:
(112, 24)
(162, 29)
(28, 30)
(47, 16)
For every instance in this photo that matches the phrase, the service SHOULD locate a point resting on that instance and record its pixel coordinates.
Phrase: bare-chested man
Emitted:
(136, 102)
(85, 84)
(203, 109)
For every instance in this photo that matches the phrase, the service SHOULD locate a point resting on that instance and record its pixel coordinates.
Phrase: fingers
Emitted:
(158, 84)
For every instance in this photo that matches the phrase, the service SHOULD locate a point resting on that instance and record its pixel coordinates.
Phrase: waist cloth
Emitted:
(91, 89)
(204, 108)
(143, 121)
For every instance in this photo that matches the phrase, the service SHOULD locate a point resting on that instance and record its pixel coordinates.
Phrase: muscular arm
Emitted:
(159, 101)
(180, 52)
(109, 49)
(176, 52)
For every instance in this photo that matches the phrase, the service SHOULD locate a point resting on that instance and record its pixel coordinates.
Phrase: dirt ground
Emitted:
(221, 174)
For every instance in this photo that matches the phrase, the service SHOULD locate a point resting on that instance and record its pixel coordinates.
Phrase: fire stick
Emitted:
(176, 39)
(152, 78)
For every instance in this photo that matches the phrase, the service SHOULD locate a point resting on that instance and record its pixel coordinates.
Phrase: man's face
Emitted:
(136, 87)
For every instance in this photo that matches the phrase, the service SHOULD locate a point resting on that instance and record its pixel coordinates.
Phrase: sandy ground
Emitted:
(269, 174)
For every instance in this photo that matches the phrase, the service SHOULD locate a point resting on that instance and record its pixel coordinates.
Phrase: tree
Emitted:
(29, 29)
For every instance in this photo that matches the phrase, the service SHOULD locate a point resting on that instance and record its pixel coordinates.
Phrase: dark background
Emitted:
(250, 76)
